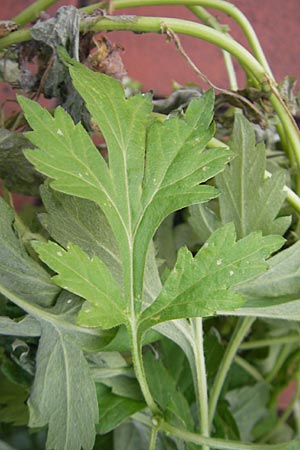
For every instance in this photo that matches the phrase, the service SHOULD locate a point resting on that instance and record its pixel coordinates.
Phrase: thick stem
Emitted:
(157, 25)
(241, 330)
(33, 11)
(224, 6)
(201, 387)
(288, 124)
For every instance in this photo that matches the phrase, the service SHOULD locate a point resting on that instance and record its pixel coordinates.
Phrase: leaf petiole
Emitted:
(201, 387)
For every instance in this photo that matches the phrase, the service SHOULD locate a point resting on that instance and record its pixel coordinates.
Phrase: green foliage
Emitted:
(56, 398)
(125, 348)
(88, 278)
(248, 405)
(20, 274)
(205, 280)
(15, 171)
(250, 201)
(12, 401)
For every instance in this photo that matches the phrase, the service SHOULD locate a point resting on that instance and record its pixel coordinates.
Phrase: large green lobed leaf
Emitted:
(200, 286)
(154, 167)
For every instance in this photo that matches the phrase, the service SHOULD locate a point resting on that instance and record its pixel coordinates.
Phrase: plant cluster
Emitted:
(150, 296)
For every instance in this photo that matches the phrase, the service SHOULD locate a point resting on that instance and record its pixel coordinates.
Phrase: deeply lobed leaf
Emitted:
(200, 286)
(89, 278)
(249, 200)
(154, 168)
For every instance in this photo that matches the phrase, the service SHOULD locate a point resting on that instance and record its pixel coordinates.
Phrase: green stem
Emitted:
(248, 368)
(283, 354)
(33, 11)
(157, 24)
(288, 124)
(224, 6)
(201, 387)
(254, 43)
(268, 342)
(242, 328)
(288, 411)
(137, 359)
(154, 431)
(219, 444)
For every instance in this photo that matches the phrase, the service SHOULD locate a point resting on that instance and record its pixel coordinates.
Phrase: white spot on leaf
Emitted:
(59, 253)
(219, 262)
(60, 132)
(231, 273)
(205, 245)
(69, 301)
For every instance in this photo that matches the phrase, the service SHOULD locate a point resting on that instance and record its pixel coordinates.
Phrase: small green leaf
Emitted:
(200, 286)
(165, 392)
(275, 294)
(12, 400)
(133, 435)
(248, 200)
(63, 394)
(89, 278)
(16, 172)
(248, 406)
(25, 327)
(113, 410)
(203, 221)
(20, 274)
